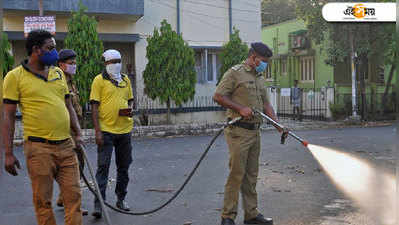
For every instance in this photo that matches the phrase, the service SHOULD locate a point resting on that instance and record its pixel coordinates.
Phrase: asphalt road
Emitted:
(292, 187)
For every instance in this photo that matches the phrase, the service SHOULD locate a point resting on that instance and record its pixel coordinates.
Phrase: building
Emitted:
(125, 24)
(296, 57)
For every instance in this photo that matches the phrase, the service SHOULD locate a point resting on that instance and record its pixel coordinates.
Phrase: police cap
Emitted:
(262, 49)
(66, 54)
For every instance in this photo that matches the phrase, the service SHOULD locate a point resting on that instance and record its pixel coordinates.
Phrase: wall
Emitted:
(189, 118)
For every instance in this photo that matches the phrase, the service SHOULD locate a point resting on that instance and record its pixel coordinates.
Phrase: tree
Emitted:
(233, 53)
(83, 38)
(277, 11)
(170, 72)
(7, 61)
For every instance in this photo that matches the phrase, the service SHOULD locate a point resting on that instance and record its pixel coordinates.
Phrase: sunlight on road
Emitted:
(373, 190)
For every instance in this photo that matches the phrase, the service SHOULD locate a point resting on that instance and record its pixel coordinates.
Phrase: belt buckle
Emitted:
(257, 126)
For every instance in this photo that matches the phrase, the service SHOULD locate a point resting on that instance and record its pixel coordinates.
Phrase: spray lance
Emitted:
(285, 134)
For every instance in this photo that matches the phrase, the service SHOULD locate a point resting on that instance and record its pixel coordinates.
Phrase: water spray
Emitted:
(285, 134)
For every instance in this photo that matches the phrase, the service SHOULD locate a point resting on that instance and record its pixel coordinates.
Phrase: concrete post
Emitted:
(272, 95)
(330, 99)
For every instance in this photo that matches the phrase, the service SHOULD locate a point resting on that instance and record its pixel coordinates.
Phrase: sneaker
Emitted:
(97, 211)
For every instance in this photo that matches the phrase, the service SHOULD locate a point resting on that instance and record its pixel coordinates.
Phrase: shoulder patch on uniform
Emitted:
(237, 67)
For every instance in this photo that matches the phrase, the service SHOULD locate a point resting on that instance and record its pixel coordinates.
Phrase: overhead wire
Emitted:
(200, 14)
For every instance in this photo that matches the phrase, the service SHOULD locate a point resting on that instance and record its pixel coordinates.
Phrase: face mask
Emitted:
(70, 69)
(114, 69)
(262, 67)
(49, 58)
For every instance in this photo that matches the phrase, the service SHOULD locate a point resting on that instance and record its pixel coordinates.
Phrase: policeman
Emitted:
(241, 90)
(67, 62)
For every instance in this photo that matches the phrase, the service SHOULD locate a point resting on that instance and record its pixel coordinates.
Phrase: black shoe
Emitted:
(85, 212)
(259, 219)
(97, 211)
(121, 204)
(227, 221)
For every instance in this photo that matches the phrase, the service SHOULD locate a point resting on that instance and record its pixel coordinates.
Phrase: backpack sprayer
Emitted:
(96, 191)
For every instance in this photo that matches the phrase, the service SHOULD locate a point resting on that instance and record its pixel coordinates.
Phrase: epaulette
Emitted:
(237, 67)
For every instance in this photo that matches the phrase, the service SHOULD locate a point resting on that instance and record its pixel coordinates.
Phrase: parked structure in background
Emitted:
(325, 87)
(125, 24)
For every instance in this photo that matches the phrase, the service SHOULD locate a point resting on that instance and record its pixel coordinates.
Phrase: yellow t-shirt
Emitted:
(111, 98)
(42, 102)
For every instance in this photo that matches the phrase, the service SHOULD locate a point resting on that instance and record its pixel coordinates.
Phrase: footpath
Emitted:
(210, 129)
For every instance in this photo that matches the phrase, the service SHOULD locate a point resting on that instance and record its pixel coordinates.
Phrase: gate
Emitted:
(313, 104)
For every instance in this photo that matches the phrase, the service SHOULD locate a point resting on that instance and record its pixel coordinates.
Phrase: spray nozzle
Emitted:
(284, 136)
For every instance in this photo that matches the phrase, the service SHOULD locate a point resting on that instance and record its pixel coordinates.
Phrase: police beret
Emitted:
(262, 49)
(66, 54)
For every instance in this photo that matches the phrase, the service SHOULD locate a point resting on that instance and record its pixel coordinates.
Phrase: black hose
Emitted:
(176, 193)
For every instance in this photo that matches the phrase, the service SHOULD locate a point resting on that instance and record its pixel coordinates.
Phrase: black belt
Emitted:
(245, 125)
(43, 140)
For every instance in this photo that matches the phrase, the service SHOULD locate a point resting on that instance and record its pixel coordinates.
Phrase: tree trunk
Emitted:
(168, 113)
(388, 85)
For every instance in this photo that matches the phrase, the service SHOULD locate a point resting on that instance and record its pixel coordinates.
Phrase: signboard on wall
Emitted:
(39, 22)
(285, 92)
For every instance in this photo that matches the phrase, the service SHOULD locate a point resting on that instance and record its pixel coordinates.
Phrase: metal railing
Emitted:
(313, 104)
(370, 106)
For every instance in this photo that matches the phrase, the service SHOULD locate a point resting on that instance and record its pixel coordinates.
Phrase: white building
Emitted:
(125, 24)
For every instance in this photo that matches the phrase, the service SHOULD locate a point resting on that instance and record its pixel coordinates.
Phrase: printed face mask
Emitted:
(71, 69)
(262, 67)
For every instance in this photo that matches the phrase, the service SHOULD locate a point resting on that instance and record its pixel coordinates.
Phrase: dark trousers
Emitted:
(123, 159)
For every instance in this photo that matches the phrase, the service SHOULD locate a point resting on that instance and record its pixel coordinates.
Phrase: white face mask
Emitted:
(70, 69)
(114, 70)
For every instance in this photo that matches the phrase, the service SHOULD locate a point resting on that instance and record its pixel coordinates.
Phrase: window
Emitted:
(307, 68)
(283, 66)
(381, 74)
(207, 65)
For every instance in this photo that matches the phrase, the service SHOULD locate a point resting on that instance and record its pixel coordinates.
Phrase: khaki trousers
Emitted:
(47, 163)
(244, 150)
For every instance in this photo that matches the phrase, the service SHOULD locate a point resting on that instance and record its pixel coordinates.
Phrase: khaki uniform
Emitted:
(244, 86)
(73, 92)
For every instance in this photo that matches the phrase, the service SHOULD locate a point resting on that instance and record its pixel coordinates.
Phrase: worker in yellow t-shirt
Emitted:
(111, 99)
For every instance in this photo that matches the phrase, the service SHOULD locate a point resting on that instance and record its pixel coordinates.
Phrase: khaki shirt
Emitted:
(74, 93)
(245, 87)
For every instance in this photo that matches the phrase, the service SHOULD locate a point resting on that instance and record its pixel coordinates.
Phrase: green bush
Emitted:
(337, 110)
